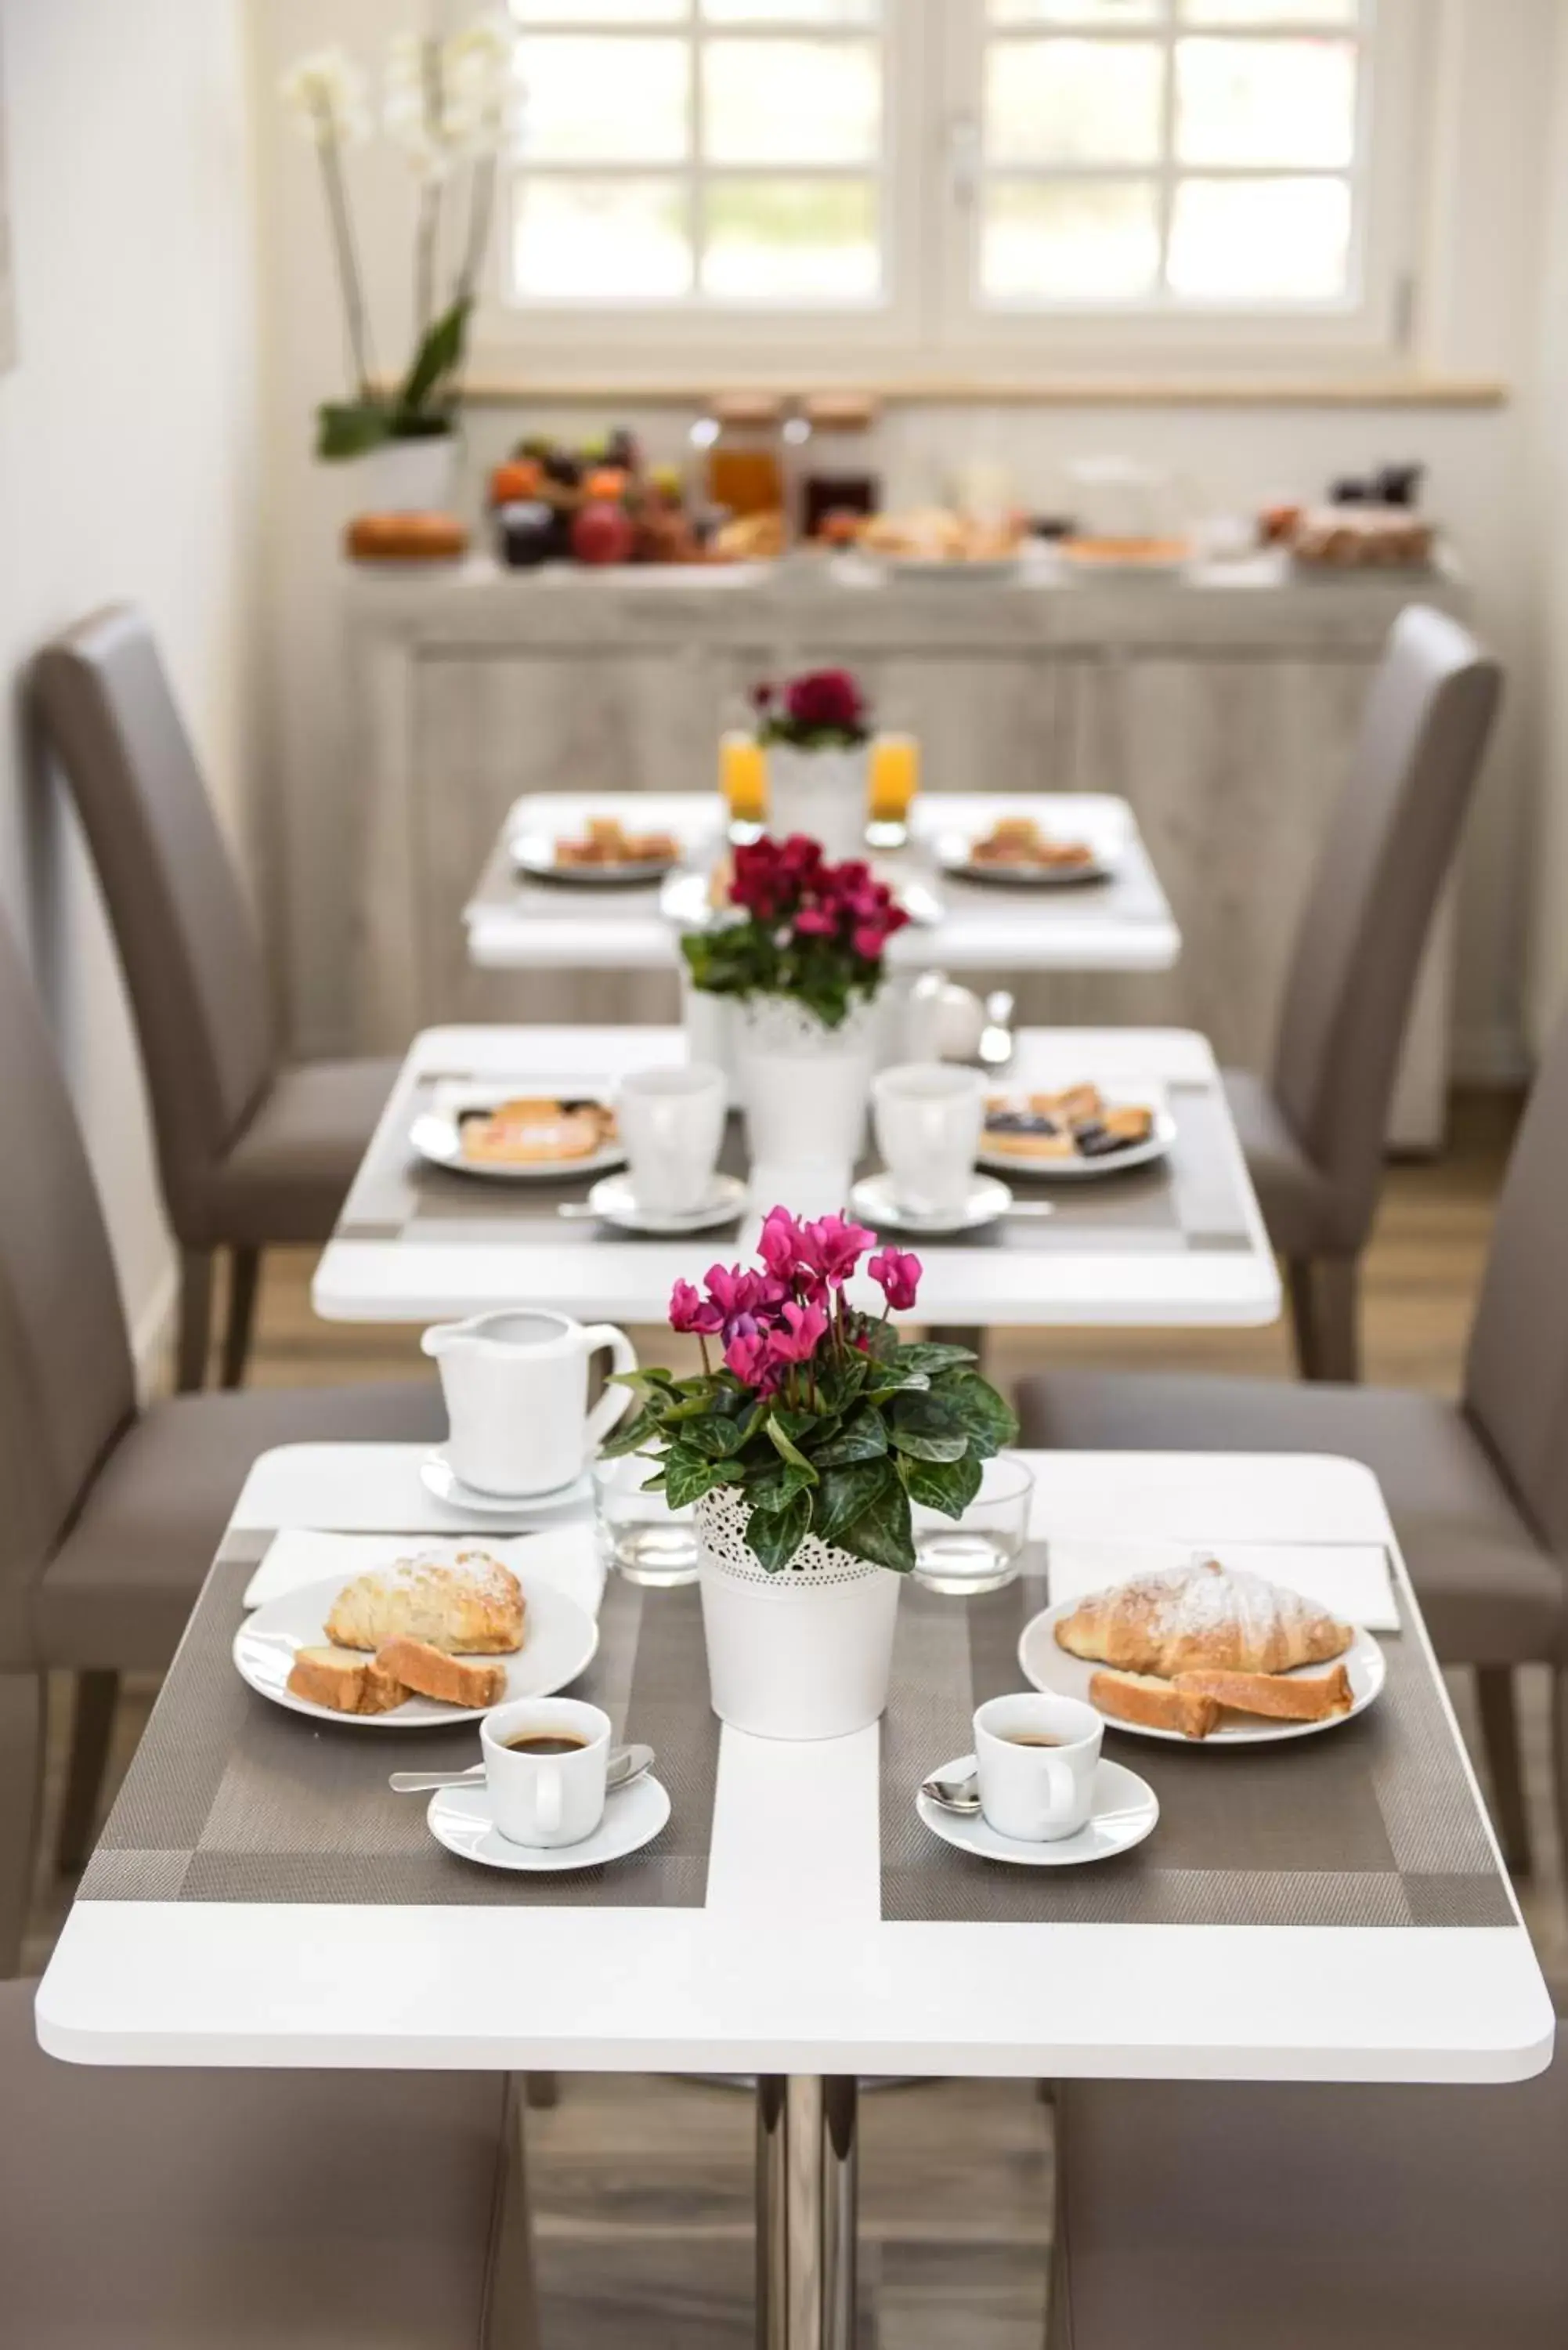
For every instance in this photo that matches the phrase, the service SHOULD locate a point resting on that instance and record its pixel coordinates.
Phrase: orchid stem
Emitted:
(349, 283)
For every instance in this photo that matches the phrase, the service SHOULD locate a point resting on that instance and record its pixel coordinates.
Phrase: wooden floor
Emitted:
(643, 2186)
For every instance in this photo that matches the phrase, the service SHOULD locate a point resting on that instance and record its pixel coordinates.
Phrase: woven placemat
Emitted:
(1370, 1825)
(1192, 1198)
(232, 1798)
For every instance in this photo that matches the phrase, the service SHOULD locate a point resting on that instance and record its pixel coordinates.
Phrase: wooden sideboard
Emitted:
(1222, 704)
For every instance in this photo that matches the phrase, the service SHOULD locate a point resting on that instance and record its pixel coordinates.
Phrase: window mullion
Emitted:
(696, 147)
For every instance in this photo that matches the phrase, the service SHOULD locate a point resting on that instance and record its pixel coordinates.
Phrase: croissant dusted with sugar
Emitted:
(1206, 1617)
(473, 1608)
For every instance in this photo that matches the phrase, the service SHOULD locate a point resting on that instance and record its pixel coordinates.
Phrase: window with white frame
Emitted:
(940, 171)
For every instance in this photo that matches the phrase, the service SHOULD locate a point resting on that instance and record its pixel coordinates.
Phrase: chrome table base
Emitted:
(805, 2212)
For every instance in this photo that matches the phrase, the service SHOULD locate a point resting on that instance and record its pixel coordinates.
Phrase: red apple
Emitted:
(602, 534)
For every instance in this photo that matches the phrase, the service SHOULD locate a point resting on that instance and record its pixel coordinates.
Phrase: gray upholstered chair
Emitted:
(1224, 2216)
(251, 1152)
(1313, 1130)
(1478, 1490)
(109, 1518)
(258, 2211)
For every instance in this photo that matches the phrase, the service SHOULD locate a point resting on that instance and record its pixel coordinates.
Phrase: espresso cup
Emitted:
(545, 1797)
(929, 1117)
(672, 1124)
(1036, 1757)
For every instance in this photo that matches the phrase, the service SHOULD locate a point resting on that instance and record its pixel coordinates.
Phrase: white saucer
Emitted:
(616, 1202)
(875, 1200)
(559, 1639)
(438, 1476)
(1123, 1810)
(1048, 1666)
(460, 1819)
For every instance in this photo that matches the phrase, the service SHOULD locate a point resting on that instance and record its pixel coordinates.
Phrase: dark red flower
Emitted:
(826, 697)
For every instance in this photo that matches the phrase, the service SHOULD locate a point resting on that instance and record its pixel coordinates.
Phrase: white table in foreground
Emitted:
(1122, 924)
(420, 1276)
(789, 1968)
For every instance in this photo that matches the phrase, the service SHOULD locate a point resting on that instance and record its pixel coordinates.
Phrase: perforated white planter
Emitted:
(821, 793)
(804, 1653)
(805, 1087)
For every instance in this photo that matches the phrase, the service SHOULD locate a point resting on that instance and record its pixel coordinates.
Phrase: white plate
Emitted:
(438, 1476)
(1123, 1810)
(533, 853)
(616, 1202)
(435, 1136)
(1050, 1668)
(460, 1819)
(954, 852)
(559, 1639)
(875, 1200)
(1079, 1169)
(929, 567)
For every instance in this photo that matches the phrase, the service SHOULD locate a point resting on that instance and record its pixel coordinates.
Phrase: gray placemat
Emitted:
(1192, 1198)
(231, 1798)
(1370, 1825)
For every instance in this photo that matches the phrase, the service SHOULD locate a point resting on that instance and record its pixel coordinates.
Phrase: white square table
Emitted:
(789, 1968)
(1122, 924)
(411, 1266)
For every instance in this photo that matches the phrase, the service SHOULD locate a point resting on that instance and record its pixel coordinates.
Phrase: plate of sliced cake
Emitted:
(518, 1138)
(1019, 850)
(1074, 1132)
(418, 1644)
(605, 854)
(1205, 1654)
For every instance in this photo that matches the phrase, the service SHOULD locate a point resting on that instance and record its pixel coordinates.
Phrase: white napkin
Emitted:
(563, 1555)
(1350, 1580)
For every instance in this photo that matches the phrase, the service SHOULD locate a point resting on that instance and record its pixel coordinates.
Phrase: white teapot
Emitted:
(516, 1390)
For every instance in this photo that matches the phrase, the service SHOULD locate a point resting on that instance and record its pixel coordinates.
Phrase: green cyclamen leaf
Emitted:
(920, 1425)
(865, 1438)
(925, 1354)
(630, 1435)
(687, 1477)
(883, 1534)
(775, 1536)
(986, 1417)
(946, 1485)
(788, 1448)
(845, 1495)
(779, 1487)
(719, 1437)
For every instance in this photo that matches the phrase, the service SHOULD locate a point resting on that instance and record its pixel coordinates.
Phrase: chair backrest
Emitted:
(191, 960)
(1516, 1368)
(67, 1388)
(1359, 949)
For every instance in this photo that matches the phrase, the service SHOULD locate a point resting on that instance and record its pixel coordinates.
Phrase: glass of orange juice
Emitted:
(895, 777)
(743, 777)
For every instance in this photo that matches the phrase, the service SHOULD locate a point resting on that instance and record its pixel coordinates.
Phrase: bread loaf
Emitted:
(1201, 1617)
(473, 1608)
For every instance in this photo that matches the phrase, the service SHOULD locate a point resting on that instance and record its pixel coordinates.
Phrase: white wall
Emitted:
(1548, 971)
(1492, 63)
(127, 470)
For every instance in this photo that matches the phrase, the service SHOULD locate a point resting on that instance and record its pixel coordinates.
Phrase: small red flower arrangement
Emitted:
(823, 711)
(808, 929)
(827, 1422)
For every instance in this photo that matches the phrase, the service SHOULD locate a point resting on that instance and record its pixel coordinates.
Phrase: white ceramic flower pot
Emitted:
(822, 794)
(804, 1087)
(806, 1653)
(411, 476)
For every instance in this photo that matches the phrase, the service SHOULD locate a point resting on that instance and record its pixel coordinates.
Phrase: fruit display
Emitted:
(597, 505)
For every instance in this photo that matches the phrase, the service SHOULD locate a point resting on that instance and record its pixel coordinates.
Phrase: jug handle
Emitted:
(615, 1401)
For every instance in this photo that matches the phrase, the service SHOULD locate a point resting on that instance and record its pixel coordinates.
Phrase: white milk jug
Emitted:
(516, 1388)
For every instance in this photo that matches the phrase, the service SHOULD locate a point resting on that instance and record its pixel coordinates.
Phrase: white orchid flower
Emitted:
(411, 109)
(481, 92)
(325, 91)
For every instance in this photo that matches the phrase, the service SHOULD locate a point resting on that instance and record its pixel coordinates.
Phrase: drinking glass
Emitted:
(638, 1534)
(979, 1552)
